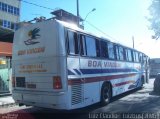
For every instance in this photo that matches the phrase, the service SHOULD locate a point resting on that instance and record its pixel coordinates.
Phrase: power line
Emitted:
(36, 5)
(101, 31)
(54, 9)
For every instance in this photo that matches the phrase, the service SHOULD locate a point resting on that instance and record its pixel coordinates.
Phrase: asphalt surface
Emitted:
(137, 104)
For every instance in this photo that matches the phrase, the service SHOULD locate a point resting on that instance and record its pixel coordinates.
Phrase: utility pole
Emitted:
(78, 13)
(133, 40)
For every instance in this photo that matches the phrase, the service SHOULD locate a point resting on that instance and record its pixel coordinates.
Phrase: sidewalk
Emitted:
(6, 101)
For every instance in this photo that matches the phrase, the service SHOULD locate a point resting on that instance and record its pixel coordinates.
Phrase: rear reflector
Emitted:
(57, 84)
(13, 82)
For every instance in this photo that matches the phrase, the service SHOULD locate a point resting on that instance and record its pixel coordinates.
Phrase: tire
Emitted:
(106, 94)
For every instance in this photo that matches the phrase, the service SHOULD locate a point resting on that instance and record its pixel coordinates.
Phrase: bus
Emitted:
(154, 67)
(60, 66)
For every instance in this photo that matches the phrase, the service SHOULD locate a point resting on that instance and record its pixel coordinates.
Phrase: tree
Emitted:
(155, 18)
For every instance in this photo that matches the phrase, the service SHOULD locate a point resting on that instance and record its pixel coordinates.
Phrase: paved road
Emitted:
(137, 101)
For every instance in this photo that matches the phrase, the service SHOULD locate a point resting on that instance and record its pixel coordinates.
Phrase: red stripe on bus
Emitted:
(123, 83)
(96, 79)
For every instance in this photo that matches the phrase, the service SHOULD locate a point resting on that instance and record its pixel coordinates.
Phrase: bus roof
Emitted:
(75, 27)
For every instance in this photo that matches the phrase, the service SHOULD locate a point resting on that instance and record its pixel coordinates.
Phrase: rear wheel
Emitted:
(106, 93)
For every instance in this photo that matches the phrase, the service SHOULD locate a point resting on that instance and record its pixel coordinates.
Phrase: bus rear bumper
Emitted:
(45, 100)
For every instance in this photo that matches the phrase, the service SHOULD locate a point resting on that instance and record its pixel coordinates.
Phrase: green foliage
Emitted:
(155, 18)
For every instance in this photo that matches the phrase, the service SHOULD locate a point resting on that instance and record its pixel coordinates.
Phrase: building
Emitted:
(9, 14)
(9, 19)
(63, 15)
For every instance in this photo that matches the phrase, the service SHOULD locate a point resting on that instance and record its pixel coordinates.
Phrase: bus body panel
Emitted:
(40, 55)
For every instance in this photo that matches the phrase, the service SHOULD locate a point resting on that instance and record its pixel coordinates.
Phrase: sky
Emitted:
(120, 20)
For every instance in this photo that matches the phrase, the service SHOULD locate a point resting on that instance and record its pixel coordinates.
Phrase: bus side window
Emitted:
(83, 45)
(140, 57)
(129, 55)
(111, 51)
(88, 46)
(132, 55)
(137, 56)
(73, 43)
(121, 54)
(97, 47)
(126, 54)
(91, 47)
(117, 52)
(104, 49)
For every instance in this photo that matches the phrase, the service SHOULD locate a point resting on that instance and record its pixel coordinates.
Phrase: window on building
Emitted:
(11, 10)
(111, 51)
(5, 23)
(17, 11)
(8, 24)
(14, 11)
(3, 7)
(8, 8)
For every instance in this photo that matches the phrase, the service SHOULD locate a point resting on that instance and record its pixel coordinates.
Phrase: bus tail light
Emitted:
(13, 82)
(57, 84)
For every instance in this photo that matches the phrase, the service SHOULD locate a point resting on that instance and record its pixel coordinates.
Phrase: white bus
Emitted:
(57, 65)
(154, 67)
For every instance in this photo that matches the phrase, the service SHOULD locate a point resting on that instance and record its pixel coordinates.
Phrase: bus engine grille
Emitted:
(77, 92)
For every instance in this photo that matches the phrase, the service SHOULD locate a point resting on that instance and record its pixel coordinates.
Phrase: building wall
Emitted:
(5, 67)
(9, 17)
(9, 13)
